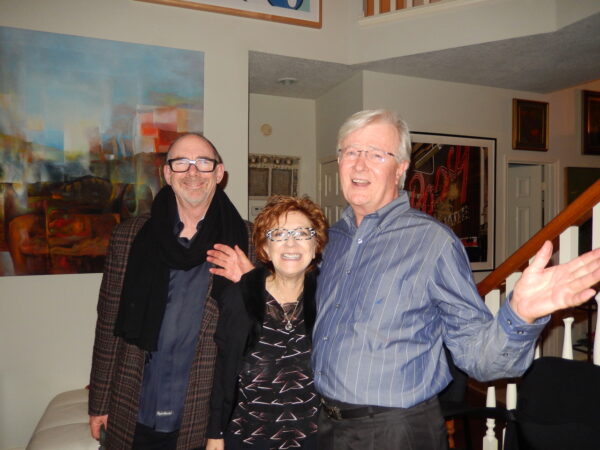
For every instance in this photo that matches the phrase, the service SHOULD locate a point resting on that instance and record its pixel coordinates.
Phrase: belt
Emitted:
(335, 412)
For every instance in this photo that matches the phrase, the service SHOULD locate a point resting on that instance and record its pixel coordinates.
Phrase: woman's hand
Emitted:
(231, 263)
(215, 444)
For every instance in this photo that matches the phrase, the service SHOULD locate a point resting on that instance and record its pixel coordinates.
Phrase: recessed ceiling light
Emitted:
(287, 81)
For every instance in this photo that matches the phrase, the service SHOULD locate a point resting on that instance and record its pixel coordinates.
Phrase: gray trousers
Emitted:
(420, 427)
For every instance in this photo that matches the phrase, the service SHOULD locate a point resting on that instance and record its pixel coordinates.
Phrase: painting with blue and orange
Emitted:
(300, 5)
(84, 126)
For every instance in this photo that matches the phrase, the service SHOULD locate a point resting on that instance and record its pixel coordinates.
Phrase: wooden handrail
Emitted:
(571, 215)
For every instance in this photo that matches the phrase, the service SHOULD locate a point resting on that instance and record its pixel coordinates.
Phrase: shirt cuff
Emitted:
(517, 328)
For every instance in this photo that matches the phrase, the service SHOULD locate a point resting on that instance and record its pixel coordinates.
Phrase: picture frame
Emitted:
(452, 178)
(305, 13)
(591, 123)
(530, 125)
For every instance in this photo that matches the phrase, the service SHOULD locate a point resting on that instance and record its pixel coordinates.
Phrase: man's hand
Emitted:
(541, 291)
(232, 262)
(95, 423)
(215, 444)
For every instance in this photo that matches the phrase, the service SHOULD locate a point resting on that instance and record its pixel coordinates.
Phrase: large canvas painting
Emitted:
(452, 179)
(84, 126)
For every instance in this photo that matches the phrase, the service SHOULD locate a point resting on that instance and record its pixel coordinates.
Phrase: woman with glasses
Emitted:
(263, 394)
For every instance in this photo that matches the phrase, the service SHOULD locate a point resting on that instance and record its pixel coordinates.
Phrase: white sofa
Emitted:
(64, 425)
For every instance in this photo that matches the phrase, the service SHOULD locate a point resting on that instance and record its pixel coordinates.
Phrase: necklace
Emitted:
(288, 319)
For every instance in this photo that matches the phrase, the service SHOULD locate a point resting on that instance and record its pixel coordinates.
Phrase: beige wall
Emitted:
(293, 133)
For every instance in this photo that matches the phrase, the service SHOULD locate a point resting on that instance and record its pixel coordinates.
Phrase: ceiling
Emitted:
(541, 63)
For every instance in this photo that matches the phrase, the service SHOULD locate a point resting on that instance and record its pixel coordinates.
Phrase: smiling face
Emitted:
(291, 258)
(193, 189)
(368, 185)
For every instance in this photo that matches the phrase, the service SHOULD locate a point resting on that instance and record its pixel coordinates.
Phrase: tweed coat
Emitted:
(118, 367)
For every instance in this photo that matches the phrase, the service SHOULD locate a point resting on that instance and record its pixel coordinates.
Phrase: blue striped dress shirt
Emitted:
(390, 291)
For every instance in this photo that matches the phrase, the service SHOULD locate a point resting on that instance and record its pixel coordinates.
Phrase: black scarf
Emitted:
(156, 250)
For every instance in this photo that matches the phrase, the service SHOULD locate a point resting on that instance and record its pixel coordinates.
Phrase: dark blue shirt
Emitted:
(167, 370)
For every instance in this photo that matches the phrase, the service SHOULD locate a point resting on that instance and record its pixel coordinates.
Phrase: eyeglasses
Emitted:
(372, 154)
(184, 164)
(282, 234)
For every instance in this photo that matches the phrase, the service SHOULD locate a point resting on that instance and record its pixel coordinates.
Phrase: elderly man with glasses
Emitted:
(394, 286)
(154, 352)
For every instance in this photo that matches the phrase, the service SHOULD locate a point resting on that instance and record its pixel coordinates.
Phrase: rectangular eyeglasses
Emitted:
(283, 234)
(184, 164)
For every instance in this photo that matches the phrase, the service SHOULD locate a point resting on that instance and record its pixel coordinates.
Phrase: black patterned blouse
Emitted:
(277, 402)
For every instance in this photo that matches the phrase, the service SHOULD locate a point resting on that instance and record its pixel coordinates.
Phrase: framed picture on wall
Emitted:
(530, 125)
(591, 123)
(296, 12)
(452, 178)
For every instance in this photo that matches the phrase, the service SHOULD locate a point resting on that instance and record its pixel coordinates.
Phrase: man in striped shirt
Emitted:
(394, 286)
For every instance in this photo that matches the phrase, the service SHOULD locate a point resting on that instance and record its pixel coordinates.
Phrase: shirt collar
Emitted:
(383, 215)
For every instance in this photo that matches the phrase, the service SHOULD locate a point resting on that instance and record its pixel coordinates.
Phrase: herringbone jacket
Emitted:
(118, 367)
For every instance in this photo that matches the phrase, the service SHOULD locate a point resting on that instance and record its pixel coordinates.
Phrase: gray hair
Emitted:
(201, 136)
(367, 117)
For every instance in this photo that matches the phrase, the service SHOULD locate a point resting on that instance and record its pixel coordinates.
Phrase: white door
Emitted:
(330, 192)
(525, 204)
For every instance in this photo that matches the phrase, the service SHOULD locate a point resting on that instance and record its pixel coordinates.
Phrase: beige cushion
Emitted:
(64, 424)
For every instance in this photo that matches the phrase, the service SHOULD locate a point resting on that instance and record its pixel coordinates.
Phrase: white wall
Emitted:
(332, 109)
(293, 133)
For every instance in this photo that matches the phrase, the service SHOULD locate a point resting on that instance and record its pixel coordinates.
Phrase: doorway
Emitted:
(528, 200)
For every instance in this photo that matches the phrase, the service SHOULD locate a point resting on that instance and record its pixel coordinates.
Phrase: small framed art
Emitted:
(591, 123)
(530, 125)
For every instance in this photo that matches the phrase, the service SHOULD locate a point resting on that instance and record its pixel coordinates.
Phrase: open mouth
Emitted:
(360, 182)
(290, 256)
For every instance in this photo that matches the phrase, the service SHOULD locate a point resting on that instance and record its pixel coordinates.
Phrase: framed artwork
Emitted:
(452, 178)
(85, 127)
(530, 125)
(591, 123)
(296, 12)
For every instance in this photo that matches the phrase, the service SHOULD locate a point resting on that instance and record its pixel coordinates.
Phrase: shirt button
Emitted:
(360, 241)
(337, 306)
(520, 332)
(509, 321)
(347, 272)
(325, 338)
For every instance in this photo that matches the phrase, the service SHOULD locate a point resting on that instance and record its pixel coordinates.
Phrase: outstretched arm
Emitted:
(231, 263)
(543, 290)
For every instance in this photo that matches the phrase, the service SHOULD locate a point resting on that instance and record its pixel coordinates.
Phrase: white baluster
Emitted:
(567, 351)
(511, 280)
(596, 357)
(492, 301)
(569, 245)
(489, 440)
(596, 226)
(511, 403)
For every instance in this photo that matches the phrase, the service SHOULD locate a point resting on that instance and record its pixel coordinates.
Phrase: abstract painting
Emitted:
(84, 126)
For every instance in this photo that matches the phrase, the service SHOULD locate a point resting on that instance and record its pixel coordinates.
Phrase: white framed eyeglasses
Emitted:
(372, 154)
(283, 234)
(184, 164)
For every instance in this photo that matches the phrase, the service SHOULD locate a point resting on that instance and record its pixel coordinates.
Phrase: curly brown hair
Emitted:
(280, 205)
